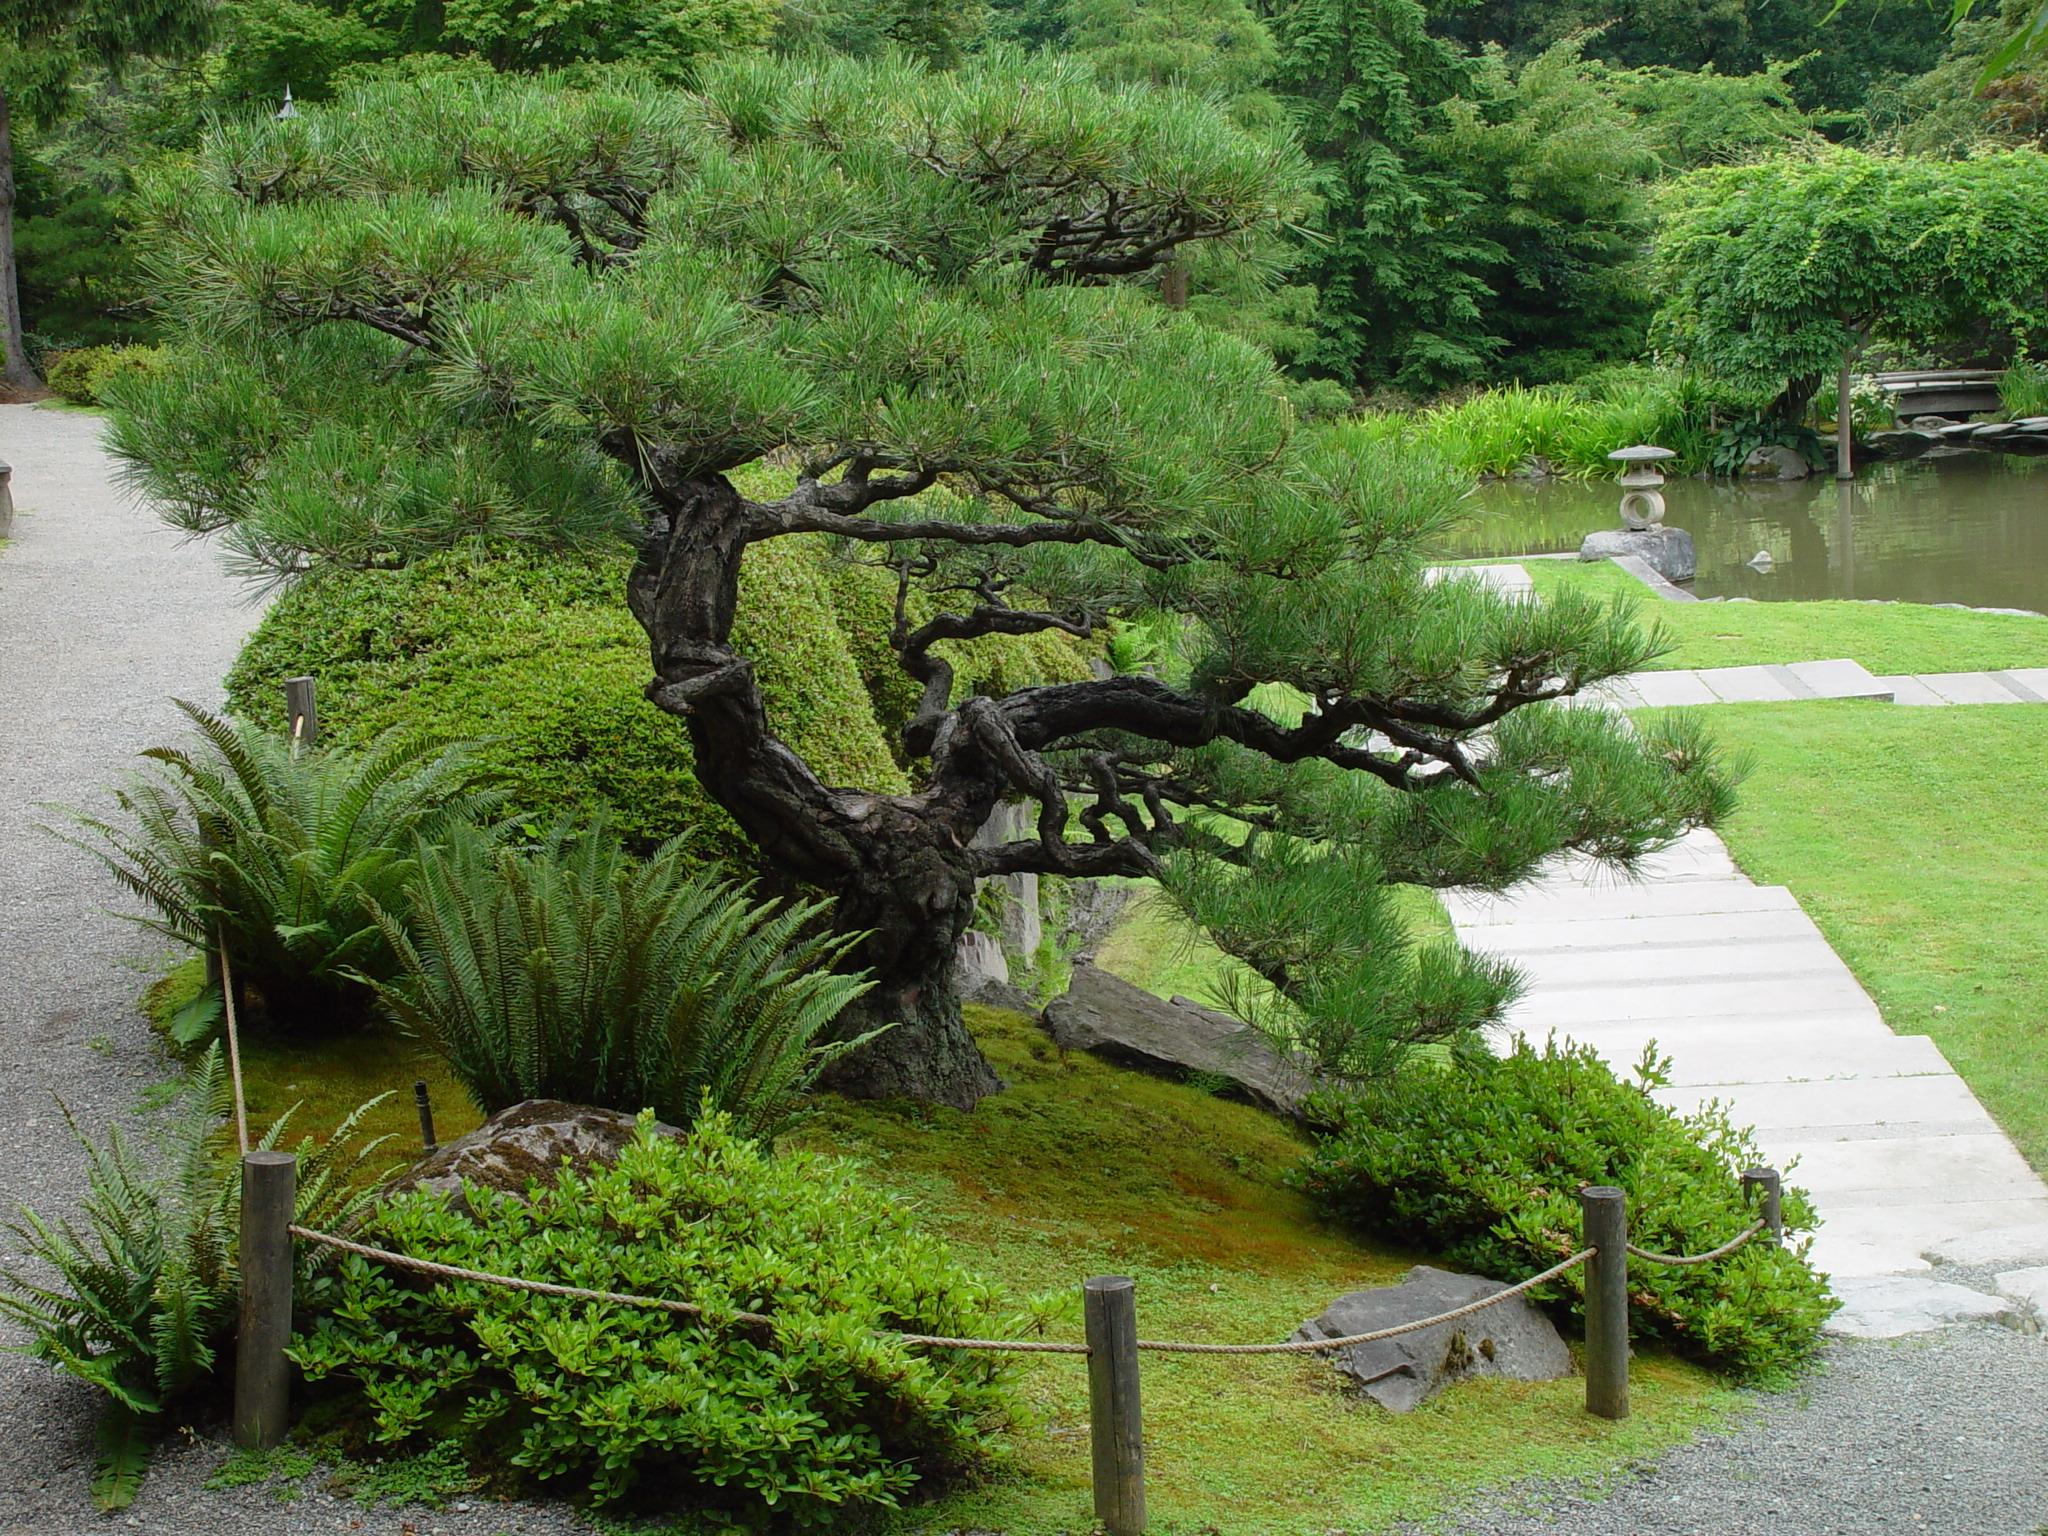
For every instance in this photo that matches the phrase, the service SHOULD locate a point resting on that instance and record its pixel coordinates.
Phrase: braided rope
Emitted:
(440, 1271)
(1708, 1257)
(1319, 1346)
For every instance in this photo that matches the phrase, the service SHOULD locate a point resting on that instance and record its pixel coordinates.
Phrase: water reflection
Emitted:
(1971, 530)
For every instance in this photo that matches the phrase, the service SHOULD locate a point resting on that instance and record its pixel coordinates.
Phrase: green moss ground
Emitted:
(1888, 638)
(1079, 1168)
(1914, 838)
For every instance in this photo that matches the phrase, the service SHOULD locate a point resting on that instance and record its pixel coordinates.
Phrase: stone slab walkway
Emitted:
(1734, 982)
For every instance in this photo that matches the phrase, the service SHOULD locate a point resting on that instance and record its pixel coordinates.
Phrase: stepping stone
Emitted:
(1687, 898)
(1671, 690)
(1852, 1109)
(1911, 1170)
(1892, 1306)
(1746, 685)
(1910, 691)
(1878, 1240)
(1839, 680)
(1806, 993)
(2025, 1285)
(1571, 933)
(1970, 688)
(1728, 1053)
(1674, 965)
(2019, 1242)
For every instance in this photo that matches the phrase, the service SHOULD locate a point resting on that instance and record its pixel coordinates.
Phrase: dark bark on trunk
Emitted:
(14, 365)
(899, 866)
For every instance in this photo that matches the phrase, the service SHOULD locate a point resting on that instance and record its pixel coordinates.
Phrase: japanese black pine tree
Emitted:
(914, 314)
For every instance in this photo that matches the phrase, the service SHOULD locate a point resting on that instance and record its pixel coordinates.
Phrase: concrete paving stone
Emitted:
(1839, 679)
(2034, 678)
(1911, 691)
(1736, 1052)
(1811, 992)
(2012, 682)
(1684, 860)
(1673, 965)
(1893, 1306)
(1970, 688)
(1904, 1170)
(2025, 1285)
(1671, 690)
(1692, 898)
(1815, 1110)
(1745, 685)
(2022, 1240)
(1774, 925)
(1615, 693)
(1892, 1239)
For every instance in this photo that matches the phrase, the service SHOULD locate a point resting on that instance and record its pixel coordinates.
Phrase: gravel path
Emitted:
(1941, 1432)
(105, 617)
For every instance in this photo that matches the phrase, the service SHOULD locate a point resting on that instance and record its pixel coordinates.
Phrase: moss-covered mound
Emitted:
(536, 657)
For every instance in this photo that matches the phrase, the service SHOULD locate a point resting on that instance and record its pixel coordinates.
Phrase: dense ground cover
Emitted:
(1888, 638)
(1080, 1168)
(1912, 838)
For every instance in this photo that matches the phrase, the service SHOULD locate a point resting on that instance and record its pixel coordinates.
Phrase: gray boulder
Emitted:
(1108, 1016)
(978, 962)
(1775, 462)
(1510, 1339)
(1667, 551)
(529, 1141)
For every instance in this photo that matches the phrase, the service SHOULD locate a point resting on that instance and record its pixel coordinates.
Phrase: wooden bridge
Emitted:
(1950, 392)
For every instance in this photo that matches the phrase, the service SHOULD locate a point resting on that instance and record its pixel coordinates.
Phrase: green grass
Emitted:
(1888, 638)
(1079, 1168)
(1915, 839)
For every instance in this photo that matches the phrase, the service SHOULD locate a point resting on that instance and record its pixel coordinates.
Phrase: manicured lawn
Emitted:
(1887, 638)
(1916, 839)
(1079, 1168)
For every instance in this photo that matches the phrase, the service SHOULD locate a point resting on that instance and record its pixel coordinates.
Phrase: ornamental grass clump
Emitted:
(274, 853)
(1482, 1158)
(573, 971)
(805, 1420)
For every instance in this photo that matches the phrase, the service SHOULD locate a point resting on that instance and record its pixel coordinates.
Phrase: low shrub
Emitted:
(139, 1294)
(534, 658)
(1482, 1158)
(571, 971)
(805, 1420)
(83, 375)
(276, 852)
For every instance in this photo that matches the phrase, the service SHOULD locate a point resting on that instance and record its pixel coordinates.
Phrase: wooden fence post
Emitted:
(1110, 1315)
(262, 1374)
(302, 720)
(1764, 1186)
(1604, 1214)
(426, 1109)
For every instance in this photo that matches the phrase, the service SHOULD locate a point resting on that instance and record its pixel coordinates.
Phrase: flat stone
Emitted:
(1684, 898)
(2029, 1286)
(978, 961)
(1510, 1339)
(1970, 688)
(1839, 679)
(1857, 1108)
(1808, 992)
(1777, 463)
(1667, 551)
(1721, 1053)
(1672, 964)
(1911, 692)
(2017, 1242)
(1107, 1016)
(1892, 1306)
(1572, 934)
(1746, 685)
(1671, 690)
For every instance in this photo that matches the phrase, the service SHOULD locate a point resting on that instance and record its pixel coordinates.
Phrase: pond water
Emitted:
(1971, 529)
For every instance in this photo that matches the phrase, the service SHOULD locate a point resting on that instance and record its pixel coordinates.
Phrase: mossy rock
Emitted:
(536, 658)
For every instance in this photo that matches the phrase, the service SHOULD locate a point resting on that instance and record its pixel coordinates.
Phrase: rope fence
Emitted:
(1111, 1344)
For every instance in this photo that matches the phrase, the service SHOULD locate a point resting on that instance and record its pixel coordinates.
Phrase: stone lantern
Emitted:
(1667, 551)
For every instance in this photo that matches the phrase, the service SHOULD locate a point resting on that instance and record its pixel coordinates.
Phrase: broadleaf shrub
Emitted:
(572, 971)
(1482, 1158)
(82, 375)
(535, 659)
(802, 1421)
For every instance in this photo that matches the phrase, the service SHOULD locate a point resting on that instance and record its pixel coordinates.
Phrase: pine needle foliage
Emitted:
(275, 852)
(136, 1295)
(572, 971)
(918, 314)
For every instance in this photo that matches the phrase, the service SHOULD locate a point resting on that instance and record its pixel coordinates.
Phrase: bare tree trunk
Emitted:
(15, 371)
(1845, 417)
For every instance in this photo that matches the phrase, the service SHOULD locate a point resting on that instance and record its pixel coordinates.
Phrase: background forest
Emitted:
(1488, 172)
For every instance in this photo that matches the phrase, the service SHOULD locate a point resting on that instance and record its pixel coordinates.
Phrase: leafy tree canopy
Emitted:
(1772, 271)
(920, 310)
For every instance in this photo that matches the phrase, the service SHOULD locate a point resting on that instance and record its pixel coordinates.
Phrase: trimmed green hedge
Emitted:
(536, 657)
